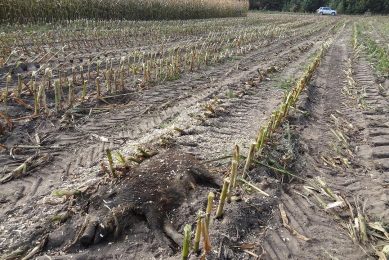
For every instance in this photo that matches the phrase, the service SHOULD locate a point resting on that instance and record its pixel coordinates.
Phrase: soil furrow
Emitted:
(75, 168)
(314, 134)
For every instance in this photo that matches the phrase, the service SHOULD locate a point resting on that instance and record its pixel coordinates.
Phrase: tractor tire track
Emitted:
(327, 239)
(70, 165)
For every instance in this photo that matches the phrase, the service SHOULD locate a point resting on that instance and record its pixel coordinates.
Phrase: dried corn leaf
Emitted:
(335, 205)
(285, 223)
(253, 187)
(30, 163)
(245, 246)
(381, 256)
(377, 226)
(22, 103)
(251, 253)
(385, 250)
(362, 227)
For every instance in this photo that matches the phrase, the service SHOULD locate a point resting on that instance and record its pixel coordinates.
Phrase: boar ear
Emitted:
(203, 177)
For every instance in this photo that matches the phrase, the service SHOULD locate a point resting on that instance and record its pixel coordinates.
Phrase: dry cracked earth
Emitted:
(333, 134)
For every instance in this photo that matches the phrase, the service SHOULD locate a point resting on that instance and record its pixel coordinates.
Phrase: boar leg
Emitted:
(172, 233)
(155, 220)
(87, 237)
(113, 222)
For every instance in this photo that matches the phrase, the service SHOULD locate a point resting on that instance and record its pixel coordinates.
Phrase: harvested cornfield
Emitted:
(25, 11)
(258, 137)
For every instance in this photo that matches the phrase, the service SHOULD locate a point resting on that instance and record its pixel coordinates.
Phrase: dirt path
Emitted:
(363, 179)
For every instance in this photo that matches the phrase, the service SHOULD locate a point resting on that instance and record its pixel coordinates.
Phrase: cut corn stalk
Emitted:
(236, 154)
(253, 186)
(223, 196)
(206, 239)
(70, 94)
(232, 184)
(57, 94)
(186, 242)
(84, 85)
(5, 94)
(20, 85)
(98, 91)
(249, 159)
(110, 161)
(197, 238)
(211, 197)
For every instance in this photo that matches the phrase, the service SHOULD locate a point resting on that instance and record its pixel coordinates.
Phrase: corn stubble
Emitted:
(265, 133)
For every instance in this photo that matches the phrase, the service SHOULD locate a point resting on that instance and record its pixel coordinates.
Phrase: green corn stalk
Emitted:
(98, 69)
(98, 91)
(186, 242)
(20, 84)
(232, 184)
(110, 161)
(121, 159)
(89, 74)
(82, 73)
(74, 75)
(122, 78)
(249, 159)
(84, 85)
(48, 76)
(6, 92)
(144, 73)
(70, 93)
(211, 197)
(36, 96)
(236, 154)
(259, 139)
(223, 196)
(115, 81)
(42, 97)
(57, 94)
(197, 238)
(108, 79)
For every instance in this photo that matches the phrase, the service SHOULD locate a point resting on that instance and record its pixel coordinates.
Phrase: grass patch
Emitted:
(378, 54)
(285, 84)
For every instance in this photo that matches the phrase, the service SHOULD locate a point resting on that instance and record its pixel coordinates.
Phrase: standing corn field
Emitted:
(24, 11)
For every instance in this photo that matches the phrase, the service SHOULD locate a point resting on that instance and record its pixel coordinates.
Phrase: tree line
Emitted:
(342, 6)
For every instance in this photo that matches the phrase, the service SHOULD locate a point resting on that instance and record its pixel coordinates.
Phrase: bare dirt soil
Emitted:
(188, 128)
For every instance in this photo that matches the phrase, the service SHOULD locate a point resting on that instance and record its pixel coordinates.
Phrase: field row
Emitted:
(208, 112)
(60, 81)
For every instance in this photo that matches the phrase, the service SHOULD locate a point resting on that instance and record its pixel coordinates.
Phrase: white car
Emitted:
(326, 10)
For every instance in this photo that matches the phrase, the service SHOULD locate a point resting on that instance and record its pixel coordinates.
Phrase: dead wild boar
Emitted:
(152, 190)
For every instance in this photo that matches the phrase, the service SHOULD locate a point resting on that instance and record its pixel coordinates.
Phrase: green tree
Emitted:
(342, 6)
(275, 5)
(312, 5)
